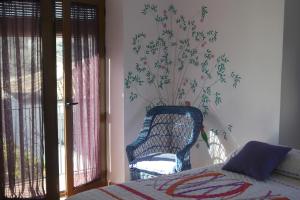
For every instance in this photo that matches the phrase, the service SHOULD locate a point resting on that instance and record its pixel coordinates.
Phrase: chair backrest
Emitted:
(169, 129)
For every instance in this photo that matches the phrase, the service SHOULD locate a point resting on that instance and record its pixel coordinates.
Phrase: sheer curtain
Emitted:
(22, 171)
(85, 83)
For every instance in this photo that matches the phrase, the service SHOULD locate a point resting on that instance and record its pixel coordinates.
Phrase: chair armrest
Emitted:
(134, 145)
(181, 155)
(180, 158)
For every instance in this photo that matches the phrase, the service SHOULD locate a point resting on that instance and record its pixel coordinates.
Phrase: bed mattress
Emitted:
(201, 183)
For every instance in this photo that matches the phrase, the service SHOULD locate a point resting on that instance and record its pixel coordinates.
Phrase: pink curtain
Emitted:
(22, 169)
(85, 80)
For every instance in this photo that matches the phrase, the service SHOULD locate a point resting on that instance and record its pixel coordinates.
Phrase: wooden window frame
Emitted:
(50, 99)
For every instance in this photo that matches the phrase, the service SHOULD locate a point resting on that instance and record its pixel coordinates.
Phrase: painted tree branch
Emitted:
(179, 63)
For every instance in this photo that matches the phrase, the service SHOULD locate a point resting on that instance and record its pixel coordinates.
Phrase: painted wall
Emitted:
(250, 33)
(290, 95)
(115, 92)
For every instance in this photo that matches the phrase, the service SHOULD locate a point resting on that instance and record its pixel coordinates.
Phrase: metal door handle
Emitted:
(71, 103)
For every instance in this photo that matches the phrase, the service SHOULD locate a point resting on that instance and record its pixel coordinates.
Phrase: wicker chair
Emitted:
(163, 146)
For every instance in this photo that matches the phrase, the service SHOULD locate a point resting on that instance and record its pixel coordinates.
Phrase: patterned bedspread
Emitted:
(201, 183)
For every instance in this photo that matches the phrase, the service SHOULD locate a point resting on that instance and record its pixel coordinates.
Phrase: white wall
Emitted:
(250, 33)
(115, 91)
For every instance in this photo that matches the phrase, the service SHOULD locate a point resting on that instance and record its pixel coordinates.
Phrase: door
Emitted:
(84, 80)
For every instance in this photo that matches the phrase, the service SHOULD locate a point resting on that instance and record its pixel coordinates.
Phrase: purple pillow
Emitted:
(257, 159)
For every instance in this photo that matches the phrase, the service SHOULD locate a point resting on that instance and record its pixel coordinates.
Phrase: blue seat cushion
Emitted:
(159, 163)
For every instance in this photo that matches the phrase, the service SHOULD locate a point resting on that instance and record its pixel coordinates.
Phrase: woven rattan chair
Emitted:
(163, 146)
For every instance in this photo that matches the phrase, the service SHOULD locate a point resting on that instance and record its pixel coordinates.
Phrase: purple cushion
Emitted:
(257, 159)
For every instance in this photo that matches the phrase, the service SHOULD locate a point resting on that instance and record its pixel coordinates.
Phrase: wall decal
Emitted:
(179, 64)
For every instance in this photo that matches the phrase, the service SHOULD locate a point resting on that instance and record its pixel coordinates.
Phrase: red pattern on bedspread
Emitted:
(205, 184)
(203, 191)
(110, 194)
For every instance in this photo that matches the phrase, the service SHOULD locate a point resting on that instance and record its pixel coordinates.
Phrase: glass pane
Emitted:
(60, 112)
(85, 84)
(22, 158)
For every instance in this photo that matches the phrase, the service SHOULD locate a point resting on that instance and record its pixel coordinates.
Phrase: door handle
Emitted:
(71, 103)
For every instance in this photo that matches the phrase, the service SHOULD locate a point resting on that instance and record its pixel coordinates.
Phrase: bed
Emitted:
(202, 183)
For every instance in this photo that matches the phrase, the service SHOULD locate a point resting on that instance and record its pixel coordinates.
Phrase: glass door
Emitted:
(84, 94)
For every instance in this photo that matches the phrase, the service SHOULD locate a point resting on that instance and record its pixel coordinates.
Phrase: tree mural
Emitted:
(179, 64)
